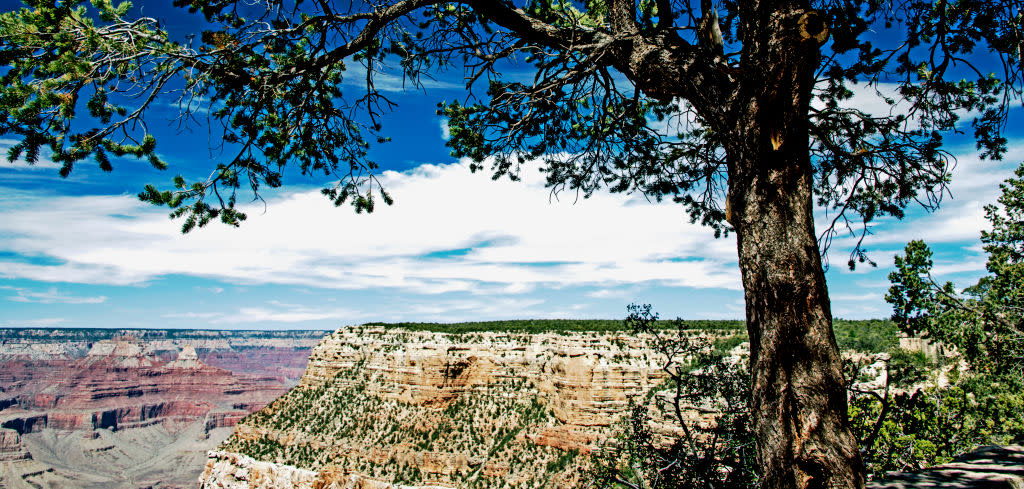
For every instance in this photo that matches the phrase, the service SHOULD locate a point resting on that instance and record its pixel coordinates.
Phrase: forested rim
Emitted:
(869, 335)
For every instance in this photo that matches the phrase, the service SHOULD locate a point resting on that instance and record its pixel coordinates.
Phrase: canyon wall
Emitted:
(105, 409)
(399, 409)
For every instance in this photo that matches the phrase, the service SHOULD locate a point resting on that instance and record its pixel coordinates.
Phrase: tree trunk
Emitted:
(799, 397)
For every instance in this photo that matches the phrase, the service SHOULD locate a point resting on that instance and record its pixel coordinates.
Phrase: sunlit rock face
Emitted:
(10, 446)
(187, 359)
(585, 378)
(395, 408)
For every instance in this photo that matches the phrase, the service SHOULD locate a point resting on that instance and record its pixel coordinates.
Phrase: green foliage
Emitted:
(868, 335)
(62, 58)
(915, 421)
(984, 323)
(43, 89)
(720, 456)
(918, 428)
(722, 346)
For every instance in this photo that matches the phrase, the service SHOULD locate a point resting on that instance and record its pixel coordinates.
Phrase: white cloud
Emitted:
(870, 99)
(34, 323)
(50, 296)
(272, 311)
(446, 133)
(976, 264)
(212, 290)
(42, 163)
(475, 309)
(606, 293)
(194, 315)
(392, 80)
(248, 315)
(450, 230)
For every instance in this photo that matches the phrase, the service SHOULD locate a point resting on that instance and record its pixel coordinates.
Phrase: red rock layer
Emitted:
(118, 386)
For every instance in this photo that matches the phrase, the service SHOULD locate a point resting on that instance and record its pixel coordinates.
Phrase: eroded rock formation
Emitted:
(104, 409)
(394, 409)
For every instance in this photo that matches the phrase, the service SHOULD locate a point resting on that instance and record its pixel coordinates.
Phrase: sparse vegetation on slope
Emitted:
(397, 418)
(476, 441)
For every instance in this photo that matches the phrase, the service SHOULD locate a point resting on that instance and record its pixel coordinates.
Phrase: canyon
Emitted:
(390, 408)
(374, 406)
(132, 408)
(421, 407)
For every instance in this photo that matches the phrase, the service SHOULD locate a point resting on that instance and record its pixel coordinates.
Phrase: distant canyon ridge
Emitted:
(100, 408)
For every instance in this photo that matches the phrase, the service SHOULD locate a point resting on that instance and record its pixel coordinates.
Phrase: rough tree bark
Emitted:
(801, 427)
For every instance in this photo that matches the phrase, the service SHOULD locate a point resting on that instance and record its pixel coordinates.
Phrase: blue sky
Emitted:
(84, 252)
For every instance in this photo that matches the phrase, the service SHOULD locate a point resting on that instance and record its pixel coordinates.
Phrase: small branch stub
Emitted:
(812, 27)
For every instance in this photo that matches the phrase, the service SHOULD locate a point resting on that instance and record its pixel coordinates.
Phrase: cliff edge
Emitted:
(398, 409)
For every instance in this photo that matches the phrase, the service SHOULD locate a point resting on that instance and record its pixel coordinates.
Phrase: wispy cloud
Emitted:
(212, 290)
(873, 100)
(475, 309)
(42, 163)
(607, 293)
(449, 231)
(273, 312)
(973, 264)
(858, 298)
(35, 323)
(386, 80)
(50, 296)
(961, 217)
(445, 132)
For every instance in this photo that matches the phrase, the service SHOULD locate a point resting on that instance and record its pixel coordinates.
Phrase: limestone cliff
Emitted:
(389, 409)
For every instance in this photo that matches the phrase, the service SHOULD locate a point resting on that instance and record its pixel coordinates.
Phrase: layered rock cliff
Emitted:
(88, 409)
(390, 409)
(117, 385)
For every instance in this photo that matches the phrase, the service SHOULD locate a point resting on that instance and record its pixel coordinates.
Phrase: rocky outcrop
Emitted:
(585, 377)
(234, 471)
(118, 383)
(988, 467)
(396, 408)
(187, 359)
(109, 409)
(10, 446)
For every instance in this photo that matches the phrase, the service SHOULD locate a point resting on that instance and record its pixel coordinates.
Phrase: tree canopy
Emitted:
(597, 112)
(744, 112)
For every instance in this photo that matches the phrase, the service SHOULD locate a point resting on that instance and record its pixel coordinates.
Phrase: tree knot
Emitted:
(812, 27)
